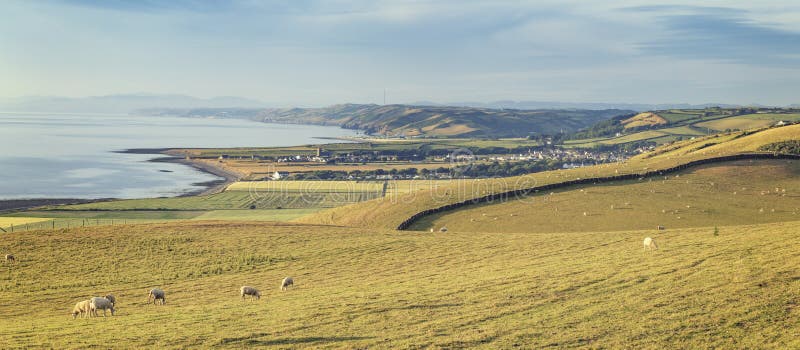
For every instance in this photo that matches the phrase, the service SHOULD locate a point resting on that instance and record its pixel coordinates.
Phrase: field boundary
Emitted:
(594, 180)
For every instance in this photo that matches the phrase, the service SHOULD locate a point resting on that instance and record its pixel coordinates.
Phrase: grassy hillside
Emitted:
(358, 288)
(725, 194)
(388, 212)
(665, 126)
(439, 121)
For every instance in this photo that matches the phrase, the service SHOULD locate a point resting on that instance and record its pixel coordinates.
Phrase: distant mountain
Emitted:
(639, 107)
(407, 120)
(120, 104)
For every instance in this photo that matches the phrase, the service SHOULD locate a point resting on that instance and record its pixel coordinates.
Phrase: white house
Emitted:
(280, 175)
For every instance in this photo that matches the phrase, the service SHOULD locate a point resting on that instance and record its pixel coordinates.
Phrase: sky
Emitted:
(316, 53)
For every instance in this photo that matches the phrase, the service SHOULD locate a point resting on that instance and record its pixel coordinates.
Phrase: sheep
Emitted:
(431, 230)
(443, 229)
(102, 304)
(10, 258)
(112, 299)
(649, 244)
(83, 308)
(252, 292)
(660, 228)
(156, 294)
(288, 281)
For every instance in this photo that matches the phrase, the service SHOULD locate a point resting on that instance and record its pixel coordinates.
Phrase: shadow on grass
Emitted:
(253, 339)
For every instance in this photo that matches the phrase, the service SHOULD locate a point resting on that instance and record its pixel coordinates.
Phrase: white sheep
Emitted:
(252, 292)
(156, 294)
(82, 308)
(650, 244)
(101, 304)
(288, 281)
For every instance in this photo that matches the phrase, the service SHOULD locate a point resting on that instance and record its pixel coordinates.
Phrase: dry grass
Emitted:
(16, 221)
(358, 288)
(731, 194)
(644, 119)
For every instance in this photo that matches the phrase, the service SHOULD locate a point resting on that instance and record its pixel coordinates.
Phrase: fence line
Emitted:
(526, 191)
(58, 223)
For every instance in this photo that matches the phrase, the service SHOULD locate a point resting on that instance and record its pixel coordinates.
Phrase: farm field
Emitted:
(254, 199)
(21, 220)
(366, 288)
(660, 135)
(727, 194)
(257, 170)
(257, 215)
(750, 121)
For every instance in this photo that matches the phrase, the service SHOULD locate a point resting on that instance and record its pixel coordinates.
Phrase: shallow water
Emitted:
(71, 156)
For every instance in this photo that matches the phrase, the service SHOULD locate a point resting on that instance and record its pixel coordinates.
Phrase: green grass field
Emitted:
(257, 198)
(360, 288)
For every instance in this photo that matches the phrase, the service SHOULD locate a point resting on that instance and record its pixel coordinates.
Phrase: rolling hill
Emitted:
(665, 126)
(433, 121)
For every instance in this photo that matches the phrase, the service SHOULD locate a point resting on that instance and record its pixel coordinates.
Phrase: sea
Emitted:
(73, 155)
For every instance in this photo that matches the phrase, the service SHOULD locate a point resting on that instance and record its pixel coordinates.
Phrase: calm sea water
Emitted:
(71, 156)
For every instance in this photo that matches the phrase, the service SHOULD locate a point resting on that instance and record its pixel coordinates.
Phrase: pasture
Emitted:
(253, 195)
(749, 121)
(726, 194)
(364, 288)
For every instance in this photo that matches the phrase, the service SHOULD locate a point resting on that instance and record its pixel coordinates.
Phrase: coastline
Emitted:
(212, 187)
(172, 155)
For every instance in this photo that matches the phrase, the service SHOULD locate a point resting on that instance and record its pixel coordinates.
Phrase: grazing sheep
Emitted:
(252, 292)
(661, 228)
(112, 299)
(83, 308)
(650, 244)
(443, 229)
(102, 304)
(288, 281)
(10, 258)
(156, 294)
(431, 230)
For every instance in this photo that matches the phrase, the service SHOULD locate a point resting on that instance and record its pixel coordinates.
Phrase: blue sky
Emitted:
(312, 53)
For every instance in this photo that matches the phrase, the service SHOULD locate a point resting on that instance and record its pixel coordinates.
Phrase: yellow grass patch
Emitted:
(644, 119)
(16, 221)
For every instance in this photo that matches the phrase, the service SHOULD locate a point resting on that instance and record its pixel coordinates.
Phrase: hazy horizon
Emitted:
(315, 53)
